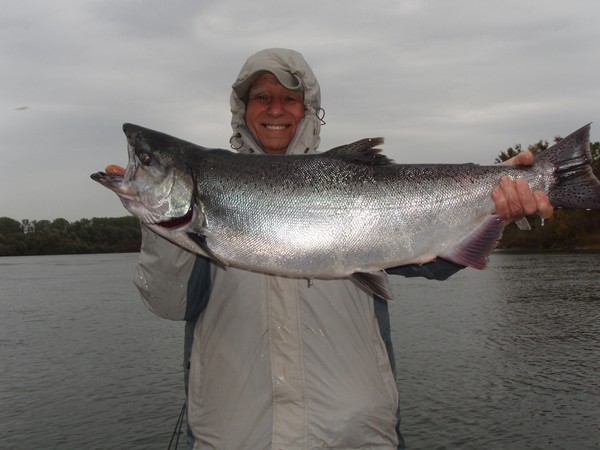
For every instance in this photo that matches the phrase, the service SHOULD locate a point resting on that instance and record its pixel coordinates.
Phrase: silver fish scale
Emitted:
(328, 217)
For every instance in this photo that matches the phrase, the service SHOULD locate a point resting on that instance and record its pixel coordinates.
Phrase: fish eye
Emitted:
(145, 158)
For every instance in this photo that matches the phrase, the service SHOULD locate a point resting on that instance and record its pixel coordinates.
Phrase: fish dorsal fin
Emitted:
(363, 152)
(375, 282)
(474, 249)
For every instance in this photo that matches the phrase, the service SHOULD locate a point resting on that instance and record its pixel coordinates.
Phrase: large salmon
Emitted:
(348, 212)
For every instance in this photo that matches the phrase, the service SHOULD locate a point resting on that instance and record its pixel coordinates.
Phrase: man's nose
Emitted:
(276, 108)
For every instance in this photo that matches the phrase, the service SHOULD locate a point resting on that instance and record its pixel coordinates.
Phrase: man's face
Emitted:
(273, 113)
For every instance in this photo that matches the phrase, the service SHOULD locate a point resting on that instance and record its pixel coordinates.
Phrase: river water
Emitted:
(503, 358)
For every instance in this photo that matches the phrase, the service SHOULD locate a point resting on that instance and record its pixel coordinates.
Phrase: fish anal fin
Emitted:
(375, 282)
(474, 249)
(200, 239)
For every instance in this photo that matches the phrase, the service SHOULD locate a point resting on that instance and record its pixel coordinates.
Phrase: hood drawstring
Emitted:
(236, 136)
(320, 113)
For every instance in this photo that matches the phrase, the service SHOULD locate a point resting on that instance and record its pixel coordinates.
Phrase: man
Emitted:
(275, 362)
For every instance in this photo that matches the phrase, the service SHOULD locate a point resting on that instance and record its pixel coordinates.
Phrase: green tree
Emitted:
(59, 225)
(537, 148)
(9, 226)
(41, 226)
(44, 237)
(510, 152)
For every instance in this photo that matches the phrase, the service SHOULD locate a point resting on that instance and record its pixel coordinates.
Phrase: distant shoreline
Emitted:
(568, 231)
(508, 251)
(61, 237)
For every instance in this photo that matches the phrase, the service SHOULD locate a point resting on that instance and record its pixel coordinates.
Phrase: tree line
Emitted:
(567, 229)
(59, 236)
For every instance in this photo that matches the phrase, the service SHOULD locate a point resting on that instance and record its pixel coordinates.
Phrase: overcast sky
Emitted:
(446, 81)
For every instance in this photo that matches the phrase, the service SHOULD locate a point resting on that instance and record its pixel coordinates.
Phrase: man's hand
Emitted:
(113, 168)
(516, 199)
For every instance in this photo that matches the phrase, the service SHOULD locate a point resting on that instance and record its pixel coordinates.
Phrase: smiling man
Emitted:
(276, 362)
(273, 113)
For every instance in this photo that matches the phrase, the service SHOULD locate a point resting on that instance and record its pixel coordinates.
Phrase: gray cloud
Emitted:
(443, 81)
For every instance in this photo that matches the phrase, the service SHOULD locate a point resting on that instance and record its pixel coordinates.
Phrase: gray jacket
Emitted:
(276, 363)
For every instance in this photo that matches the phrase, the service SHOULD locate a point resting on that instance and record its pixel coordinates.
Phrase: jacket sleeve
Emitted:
(439, 269)
(162, 276)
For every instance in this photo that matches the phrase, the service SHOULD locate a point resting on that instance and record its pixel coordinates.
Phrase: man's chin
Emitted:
(274, 146)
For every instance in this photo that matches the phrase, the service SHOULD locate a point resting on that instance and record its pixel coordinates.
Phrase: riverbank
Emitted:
(60, 237)
(566, 231)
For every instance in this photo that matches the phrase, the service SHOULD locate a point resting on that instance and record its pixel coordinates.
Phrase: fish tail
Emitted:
(575, 184)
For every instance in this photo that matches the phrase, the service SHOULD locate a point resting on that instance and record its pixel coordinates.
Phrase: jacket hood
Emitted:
(293, 72)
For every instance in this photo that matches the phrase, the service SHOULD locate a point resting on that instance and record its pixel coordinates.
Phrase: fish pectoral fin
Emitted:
(474, 249)
(200, 239)
(376, 282)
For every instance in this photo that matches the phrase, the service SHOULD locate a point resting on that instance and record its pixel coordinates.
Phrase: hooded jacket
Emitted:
(276, 363)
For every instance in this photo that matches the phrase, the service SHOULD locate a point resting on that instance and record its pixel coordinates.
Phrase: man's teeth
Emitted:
(275, 127)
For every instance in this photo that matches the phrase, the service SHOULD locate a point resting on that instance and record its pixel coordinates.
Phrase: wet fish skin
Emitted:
(349, 212)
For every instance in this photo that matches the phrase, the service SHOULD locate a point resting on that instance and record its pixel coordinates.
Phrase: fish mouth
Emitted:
(103, 177)
(132, 202)
(113, 181)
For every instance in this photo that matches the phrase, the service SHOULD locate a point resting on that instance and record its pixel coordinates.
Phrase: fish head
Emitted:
(157, 186)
